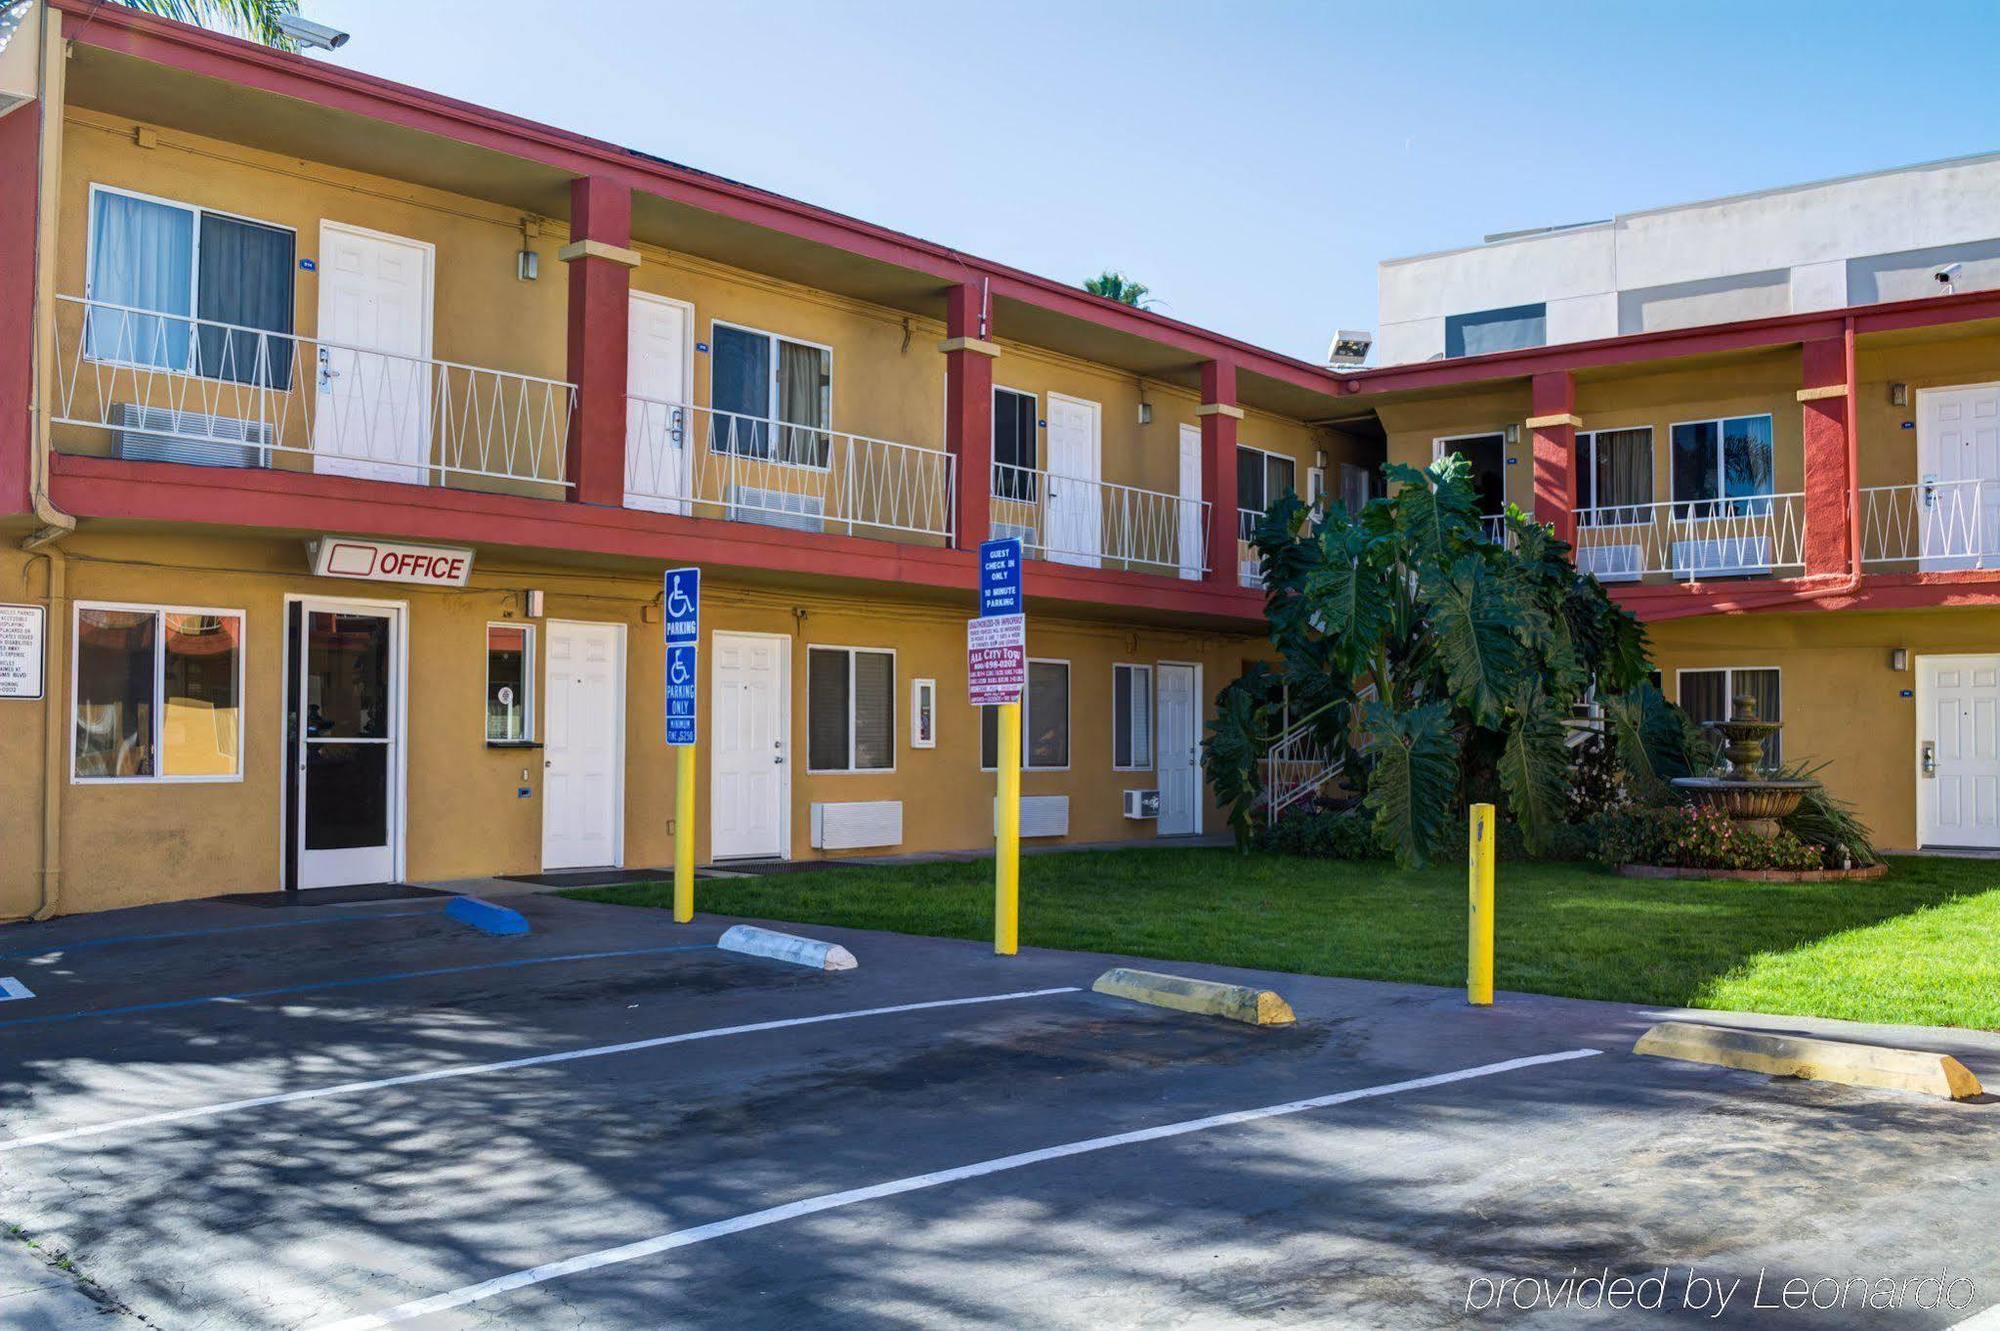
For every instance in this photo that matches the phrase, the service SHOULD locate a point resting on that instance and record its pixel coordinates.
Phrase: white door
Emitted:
(1958, 462)
(1190, 507)
(347, 722)
(1074, 528)
(1179, 757)
(657, 462)
(1958, 750)
(749, 785)
(372, 406)
(583, 753)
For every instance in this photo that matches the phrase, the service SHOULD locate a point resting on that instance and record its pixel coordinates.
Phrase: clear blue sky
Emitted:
(1251, 161)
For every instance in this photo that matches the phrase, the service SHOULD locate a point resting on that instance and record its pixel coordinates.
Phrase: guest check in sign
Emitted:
(996, 643)
(23, 635)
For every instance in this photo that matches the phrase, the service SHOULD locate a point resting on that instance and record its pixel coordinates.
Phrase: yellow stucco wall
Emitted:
(124, 844)
(1888, 450)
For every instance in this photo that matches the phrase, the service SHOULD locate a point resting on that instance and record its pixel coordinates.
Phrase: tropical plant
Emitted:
(1114, 285)
(255, 19)
(1445, 664)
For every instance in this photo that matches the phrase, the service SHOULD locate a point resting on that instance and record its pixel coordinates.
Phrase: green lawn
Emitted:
(1921, 945)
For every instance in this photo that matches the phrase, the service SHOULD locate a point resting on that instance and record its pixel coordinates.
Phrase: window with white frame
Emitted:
(177, 287)
(158, 694)
(1044, 720)
(1131, 718)
(771, 397)
(850, 709)
(923, 714)
(1614, 476)
(1016, 430)
(1709, 697)
(1722, 468)
(1262, 478)
(510, 671)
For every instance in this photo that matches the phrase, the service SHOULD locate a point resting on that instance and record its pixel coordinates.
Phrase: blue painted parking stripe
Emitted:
(352, 982)
(12, 990)
(57, 949)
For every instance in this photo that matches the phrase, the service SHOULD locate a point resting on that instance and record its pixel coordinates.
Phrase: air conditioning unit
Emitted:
(1041, 815)
(167, 434)
(1727, 556)
(777, 508)
(1612, 563)
(1019, 531)
(1142, 804)
(857, 825)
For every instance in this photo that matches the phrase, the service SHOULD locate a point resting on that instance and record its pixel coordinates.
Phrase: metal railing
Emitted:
(1932, 525)
(1691, 540)
(1249, 562)
(698, 461)
(1301, 762)
(1100, 524)
(165, 387)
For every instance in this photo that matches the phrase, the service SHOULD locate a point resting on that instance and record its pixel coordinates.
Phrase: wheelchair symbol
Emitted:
(678, 672)
(678, 604)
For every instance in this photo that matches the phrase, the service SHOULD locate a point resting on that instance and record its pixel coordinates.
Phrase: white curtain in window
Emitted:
(803, 384)
(141, 255)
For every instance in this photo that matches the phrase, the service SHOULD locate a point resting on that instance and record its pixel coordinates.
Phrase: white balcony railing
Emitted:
(1691, 540)
(1249, 563)
(696, 461)
(1932, 525)
(164, 387)
(1099, 523)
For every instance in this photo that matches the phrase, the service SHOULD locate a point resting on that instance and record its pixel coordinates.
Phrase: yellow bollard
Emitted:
(1007, 841)
(1479, 940)
(684, 836)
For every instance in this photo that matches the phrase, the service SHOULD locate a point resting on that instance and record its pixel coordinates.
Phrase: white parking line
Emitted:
(1986, 1321)
(510, 1065)
(682, 1238)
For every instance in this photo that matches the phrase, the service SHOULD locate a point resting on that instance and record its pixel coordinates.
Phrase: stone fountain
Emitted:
(1752, 800)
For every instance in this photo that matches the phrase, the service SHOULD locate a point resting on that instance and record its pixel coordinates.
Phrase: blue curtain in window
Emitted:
(740, 392)
(142, 256)
(246, 280)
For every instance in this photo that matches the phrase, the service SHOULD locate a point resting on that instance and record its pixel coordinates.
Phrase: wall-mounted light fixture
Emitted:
(1512, 434)
(1319, 457)
(1899, 658)
(1145, 413)
(527, 265)
(531, 601)
(1899, 395)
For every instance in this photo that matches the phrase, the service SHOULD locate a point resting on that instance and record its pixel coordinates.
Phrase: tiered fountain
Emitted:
(1753, 801)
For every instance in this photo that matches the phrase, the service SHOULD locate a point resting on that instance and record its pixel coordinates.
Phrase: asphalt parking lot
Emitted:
(217, 1116)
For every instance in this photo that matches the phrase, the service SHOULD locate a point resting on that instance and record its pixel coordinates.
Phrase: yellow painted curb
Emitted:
(1237, 1002)
(1813, 1060)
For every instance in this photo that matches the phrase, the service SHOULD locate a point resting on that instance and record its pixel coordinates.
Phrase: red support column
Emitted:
(1552, 399)
(601, 261)
(1823, 392)
(1219, 415)
(968, 415)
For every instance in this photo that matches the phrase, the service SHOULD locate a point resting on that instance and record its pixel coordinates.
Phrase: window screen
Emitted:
(850, 710)
(1131, 717)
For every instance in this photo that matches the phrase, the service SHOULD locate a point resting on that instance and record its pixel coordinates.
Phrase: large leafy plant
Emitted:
(1444, 662)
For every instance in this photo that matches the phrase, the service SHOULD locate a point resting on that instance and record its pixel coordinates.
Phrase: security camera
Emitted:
(308, 33)
(1947, 274)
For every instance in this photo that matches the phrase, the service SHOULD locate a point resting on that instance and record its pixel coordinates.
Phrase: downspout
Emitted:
(55, 524)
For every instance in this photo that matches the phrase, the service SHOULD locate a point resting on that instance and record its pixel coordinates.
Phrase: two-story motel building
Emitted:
(267, 324)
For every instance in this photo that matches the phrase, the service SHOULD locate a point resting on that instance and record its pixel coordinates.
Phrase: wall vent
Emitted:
(857, 825)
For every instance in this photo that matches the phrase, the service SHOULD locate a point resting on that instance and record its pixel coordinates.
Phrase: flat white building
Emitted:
(1892, 235)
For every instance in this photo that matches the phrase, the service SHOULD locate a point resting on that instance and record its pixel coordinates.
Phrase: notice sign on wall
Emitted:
(23, 632)
(388, 561)
(996, 658)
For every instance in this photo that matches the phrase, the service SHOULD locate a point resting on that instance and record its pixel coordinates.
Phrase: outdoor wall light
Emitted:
(1899, 658)
(1513, 435)
(1899, 395)
(527, 265)
(1145, 413)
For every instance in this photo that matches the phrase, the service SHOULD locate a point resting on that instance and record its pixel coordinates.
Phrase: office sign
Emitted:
(23, 649)
(389, 561)
(1000, 577)
(681, 599)
(996, 658)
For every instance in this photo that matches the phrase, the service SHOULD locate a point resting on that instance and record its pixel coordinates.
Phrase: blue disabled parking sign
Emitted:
(1000, 577)
(681, 595)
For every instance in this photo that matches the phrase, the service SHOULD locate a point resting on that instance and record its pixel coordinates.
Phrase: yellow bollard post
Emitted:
(1479, 960)
(1007, 841)
(684, 836)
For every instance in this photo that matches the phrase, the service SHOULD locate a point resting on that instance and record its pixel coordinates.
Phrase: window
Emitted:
(158, 694)
(1708, 696)
(1014, 434)
(510, 666)
(1044, 720)
(1722, 468)
(1132, 718)
(1486, 454)
(1496, 330)
(1261, 480)
(923, 714)
(850, 710)
(1614, 476)
(188, 264)
(1355, 487)
(772, 397)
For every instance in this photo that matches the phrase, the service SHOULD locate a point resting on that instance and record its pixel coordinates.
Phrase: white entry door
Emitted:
(749, 772)
(583, 802)
(1179, 757)
(1958, 750)
(372, 404)
(1958, 462)
(1074, 531)
(658, 471)
(345, 659)
(1190, 507)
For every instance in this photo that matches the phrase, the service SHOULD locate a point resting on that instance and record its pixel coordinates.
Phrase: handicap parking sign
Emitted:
(681, 597)
(681, 694)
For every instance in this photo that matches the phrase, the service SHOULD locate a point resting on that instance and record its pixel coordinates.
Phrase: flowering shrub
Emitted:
(1690, 837)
